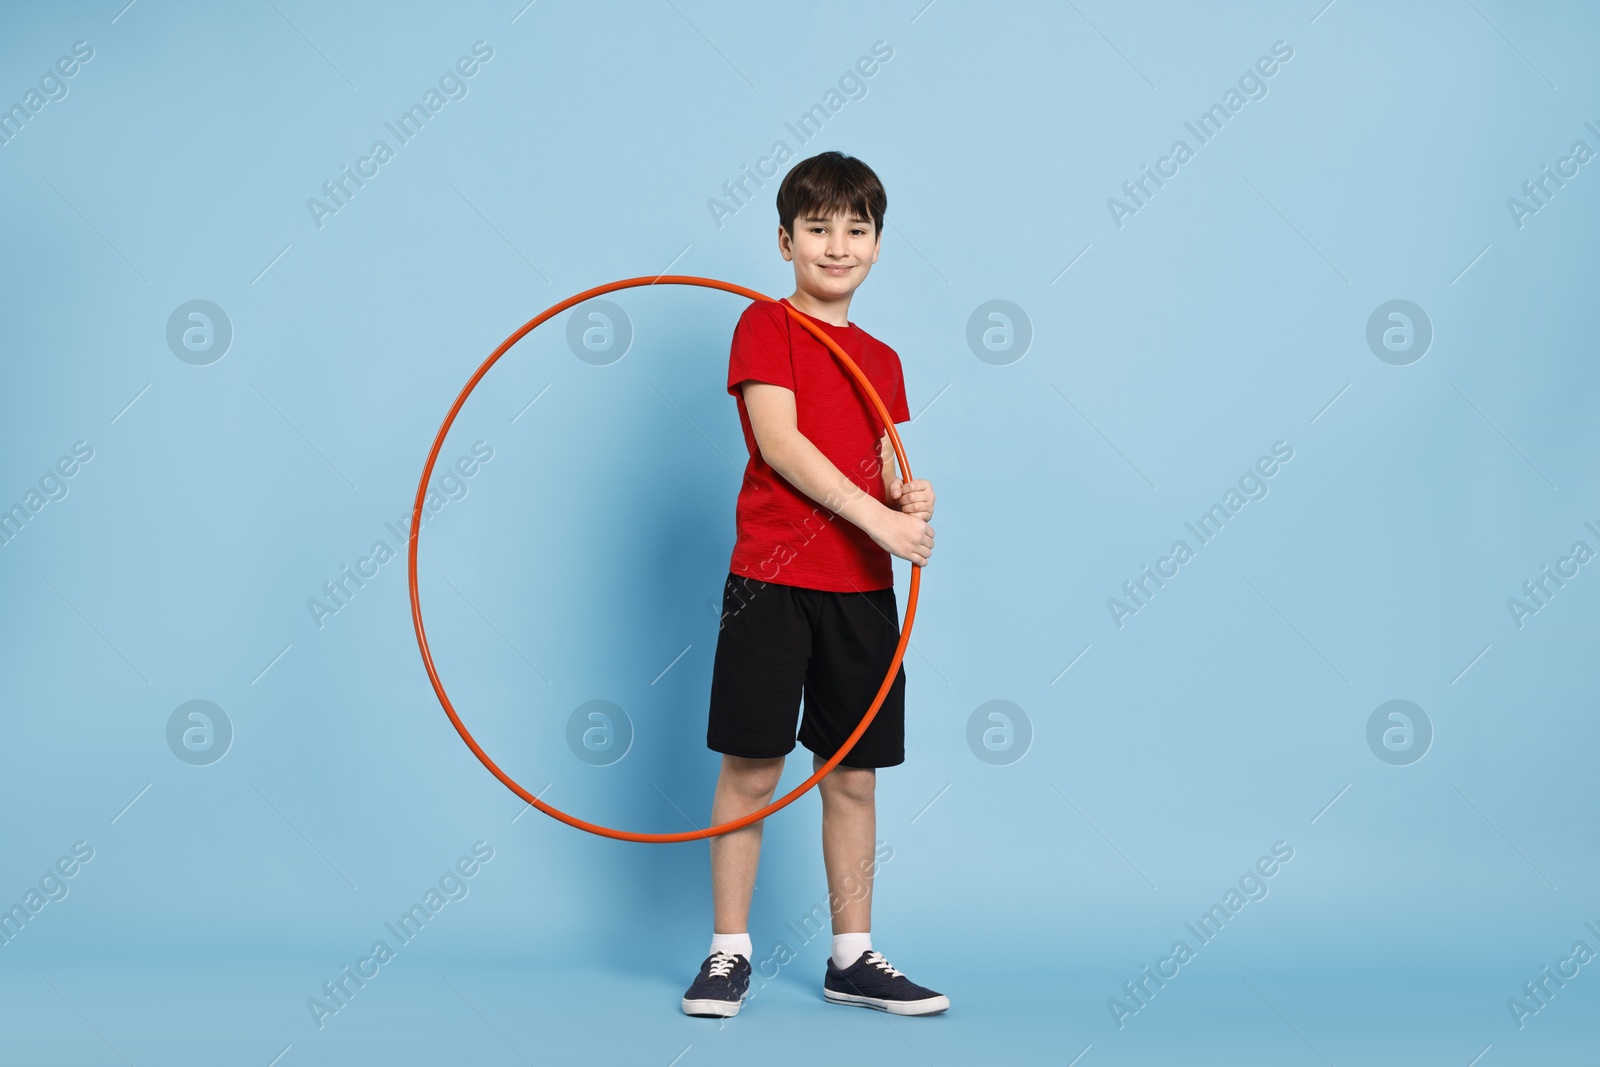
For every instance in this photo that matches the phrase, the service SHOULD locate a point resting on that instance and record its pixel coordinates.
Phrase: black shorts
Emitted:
(776, 642)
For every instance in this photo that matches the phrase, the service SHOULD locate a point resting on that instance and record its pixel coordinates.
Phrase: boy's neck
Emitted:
(834, 312)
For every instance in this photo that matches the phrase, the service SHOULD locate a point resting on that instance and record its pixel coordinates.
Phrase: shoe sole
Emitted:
(725, 1009)
(926, 1006)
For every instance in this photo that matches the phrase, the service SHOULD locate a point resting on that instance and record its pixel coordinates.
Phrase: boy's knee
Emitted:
(855, 784)
(755, 779)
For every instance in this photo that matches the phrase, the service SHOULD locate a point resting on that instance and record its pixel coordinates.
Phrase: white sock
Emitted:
(738, 944)
(847, 948)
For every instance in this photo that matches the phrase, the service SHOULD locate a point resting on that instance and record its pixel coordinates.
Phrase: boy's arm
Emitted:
(790, 453)
(914, 497)
(890, 465)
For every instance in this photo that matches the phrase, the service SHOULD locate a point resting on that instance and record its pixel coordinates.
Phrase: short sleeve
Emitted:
(898, 411)
(760, 347)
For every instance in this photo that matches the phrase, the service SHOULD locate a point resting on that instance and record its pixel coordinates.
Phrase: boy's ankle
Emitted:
(736, 944)
(847, 948)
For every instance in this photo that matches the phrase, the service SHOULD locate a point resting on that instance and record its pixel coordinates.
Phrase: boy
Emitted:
(809, 601)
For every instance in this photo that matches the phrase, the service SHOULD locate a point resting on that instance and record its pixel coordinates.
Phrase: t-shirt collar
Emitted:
(848, 326)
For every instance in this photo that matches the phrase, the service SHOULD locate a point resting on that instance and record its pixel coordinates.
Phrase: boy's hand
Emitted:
(903, 535)
(914, 497)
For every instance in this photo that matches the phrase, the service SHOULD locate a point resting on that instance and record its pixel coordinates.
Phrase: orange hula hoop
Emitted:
(416, 528)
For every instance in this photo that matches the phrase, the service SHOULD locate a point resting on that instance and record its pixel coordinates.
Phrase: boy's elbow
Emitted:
(772, 453)
(775, 446)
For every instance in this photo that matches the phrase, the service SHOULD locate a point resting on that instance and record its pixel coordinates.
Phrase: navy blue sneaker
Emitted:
(870, 982)
(720, 987)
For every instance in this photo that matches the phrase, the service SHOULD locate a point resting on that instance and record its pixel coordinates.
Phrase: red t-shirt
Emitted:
(784, 536)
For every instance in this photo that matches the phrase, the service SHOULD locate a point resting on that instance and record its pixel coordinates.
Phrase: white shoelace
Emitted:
(721, 964)
(876, 959)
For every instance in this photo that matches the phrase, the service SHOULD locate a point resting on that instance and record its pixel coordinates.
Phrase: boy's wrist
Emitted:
(860, 508)
(879, 513)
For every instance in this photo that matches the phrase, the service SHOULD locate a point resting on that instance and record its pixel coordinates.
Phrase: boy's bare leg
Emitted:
(849, 835)
(744, 785)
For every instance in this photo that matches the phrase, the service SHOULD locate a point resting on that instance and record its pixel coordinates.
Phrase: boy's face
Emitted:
(832, 254)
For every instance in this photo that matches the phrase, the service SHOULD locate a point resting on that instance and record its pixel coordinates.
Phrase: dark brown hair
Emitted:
(831, 182)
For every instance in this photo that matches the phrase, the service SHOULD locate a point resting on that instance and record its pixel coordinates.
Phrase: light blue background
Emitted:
(1228, 314)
